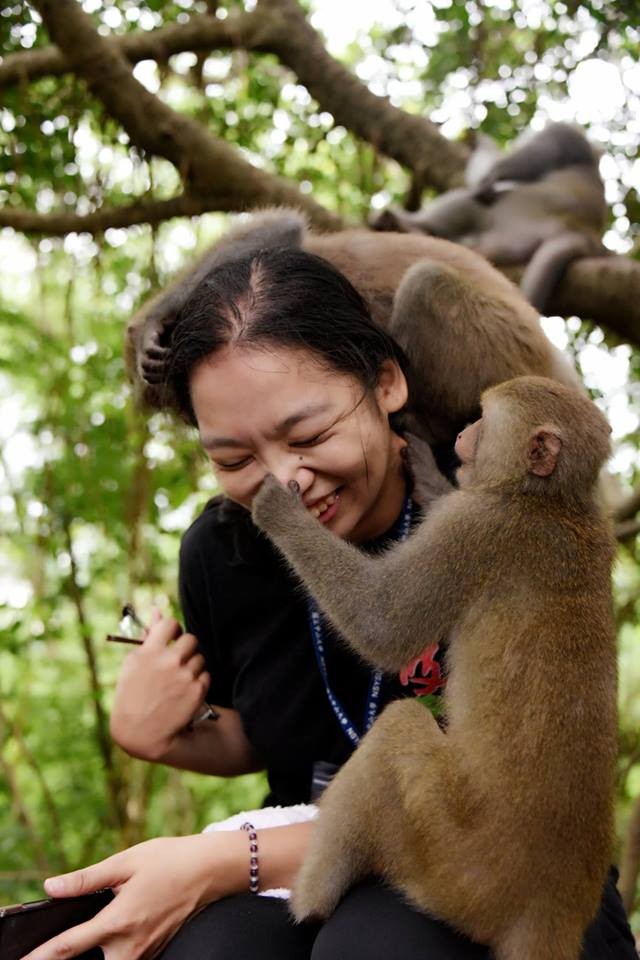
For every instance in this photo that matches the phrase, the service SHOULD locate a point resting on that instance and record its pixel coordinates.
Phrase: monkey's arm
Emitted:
(388, 607)
(148, 330)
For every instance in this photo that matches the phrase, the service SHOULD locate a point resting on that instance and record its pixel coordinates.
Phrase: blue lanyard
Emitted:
(401, 532)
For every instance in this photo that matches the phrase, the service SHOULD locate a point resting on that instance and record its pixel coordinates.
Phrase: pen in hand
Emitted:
(207, 711)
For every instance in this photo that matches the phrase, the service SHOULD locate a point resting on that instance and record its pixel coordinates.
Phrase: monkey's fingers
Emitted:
(156, 353)
(152, 370)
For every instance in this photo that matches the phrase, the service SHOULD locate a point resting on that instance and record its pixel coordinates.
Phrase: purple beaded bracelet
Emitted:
(254, 879)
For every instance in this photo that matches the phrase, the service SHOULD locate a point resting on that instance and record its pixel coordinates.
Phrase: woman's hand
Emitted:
(158, 885)
(161, 686)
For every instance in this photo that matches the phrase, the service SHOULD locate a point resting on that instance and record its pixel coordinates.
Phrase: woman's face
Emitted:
(278, 410)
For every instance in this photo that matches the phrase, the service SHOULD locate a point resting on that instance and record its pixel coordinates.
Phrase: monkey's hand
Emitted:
(428, 483)
(276, 509)
(153, 349)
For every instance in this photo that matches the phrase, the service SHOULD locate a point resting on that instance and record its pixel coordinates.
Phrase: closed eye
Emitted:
(311, 441)
(237, 465)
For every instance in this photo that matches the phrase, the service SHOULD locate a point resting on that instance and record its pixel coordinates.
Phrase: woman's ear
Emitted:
(392, 391)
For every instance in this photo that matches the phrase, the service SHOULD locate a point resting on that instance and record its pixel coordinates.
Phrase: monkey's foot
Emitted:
(317, 889)
(274, 504)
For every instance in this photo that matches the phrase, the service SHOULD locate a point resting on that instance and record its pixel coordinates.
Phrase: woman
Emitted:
(277, 363)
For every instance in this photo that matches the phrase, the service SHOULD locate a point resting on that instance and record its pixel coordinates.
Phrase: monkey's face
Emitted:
(277, 410)
(466, 448)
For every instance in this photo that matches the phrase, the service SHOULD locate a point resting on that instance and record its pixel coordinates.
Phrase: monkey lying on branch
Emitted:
(541, 205)
(462, 324)
(502, 823)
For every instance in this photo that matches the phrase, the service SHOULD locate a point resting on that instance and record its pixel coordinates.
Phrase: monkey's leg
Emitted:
(549, 262)
(340, 853)
(368, 818)
(461, 341)
(538, 936)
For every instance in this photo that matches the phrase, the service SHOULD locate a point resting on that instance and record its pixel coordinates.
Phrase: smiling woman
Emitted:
(277, 362)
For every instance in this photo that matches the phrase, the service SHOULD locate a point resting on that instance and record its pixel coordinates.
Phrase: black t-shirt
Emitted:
(250, 616)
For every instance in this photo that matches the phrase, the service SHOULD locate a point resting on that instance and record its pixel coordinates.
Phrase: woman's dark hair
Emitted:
(283, 297)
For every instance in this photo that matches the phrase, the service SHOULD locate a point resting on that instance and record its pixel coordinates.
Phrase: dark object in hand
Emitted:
(25, 926)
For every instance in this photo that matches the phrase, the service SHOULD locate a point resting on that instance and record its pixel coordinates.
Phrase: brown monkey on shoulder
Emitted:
(462, 324)
(500, 824)
(541, 205)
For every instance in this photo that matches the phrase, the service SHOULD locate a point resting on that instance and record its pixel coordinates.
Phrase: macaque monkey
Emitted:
(500, 823)
(463, 325)
(541, 205)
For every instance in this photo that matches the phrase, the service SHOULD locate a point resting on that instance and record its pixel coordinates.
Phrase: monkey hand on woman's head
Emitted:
(462, 325)
(502, 824)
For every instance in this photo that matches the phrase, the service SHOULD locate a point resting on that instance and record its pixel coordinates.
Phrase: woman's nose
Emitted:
(292, 468)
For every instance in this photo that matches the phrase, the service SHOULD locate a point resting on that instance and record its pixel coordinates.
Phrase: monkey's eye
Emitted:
(237, 465)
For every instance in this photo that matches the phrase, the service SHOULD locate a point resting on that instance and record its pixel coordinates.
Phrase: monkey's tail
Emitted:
(548, 264)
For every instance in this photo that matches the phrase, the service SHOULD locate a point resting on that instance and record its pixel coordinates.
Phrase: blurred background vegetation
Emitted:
(94, 494)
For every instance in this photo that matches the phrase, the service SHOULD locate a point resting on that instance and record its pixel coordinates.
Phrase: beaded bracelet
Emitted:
(254, 881)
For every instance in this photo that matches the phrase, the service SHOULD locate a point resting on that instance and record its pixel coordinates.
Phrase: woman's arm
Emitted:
(160, 883)
(161, 686)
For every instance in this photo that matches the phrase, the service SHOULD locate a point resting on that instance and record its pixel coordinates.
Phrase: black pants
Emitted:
(371, 923)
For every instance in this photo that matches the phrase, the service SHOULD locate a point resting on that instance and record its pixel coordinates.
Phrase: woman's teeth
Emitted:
(319, 508)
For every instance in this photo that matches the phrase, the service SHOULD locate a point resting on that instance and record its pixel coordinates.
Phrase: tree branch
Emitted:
(200, 33)
(280, 27)
(153, 212)
(206, 164)
(413, 141)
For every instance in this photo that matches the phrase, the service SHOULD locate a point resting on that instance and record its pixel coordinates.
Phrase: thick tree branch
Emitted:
(279, 27)
(413, 141)
(152, 211)
(200, 33)
(207, 165)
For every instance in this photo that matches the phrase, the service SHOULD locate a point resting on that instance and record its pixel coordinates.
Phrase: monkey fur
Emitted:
(500, 823)
(463, 325)
(542, 205)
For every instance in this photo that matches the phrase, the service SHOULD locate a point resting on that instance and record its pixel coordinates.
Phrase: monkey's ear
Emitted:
(543, 451)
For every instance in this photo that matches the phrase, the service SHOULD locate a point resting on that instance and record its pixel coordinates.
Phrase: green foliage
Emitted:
(93, 493)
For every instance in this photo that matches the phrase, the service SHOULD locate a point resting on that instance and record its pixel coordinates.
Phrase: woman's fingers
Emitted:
(161, 633)
(195, 665)
(98, 876)
(72, 942)
(185, 646)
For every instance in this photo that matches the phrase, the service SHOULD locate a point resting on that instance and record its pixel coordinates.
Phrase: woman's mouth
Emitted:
(326, 508)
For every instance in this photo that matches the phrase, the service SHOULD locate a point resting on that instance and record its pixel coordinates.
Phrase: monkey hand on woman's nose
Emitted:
(276, 506)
